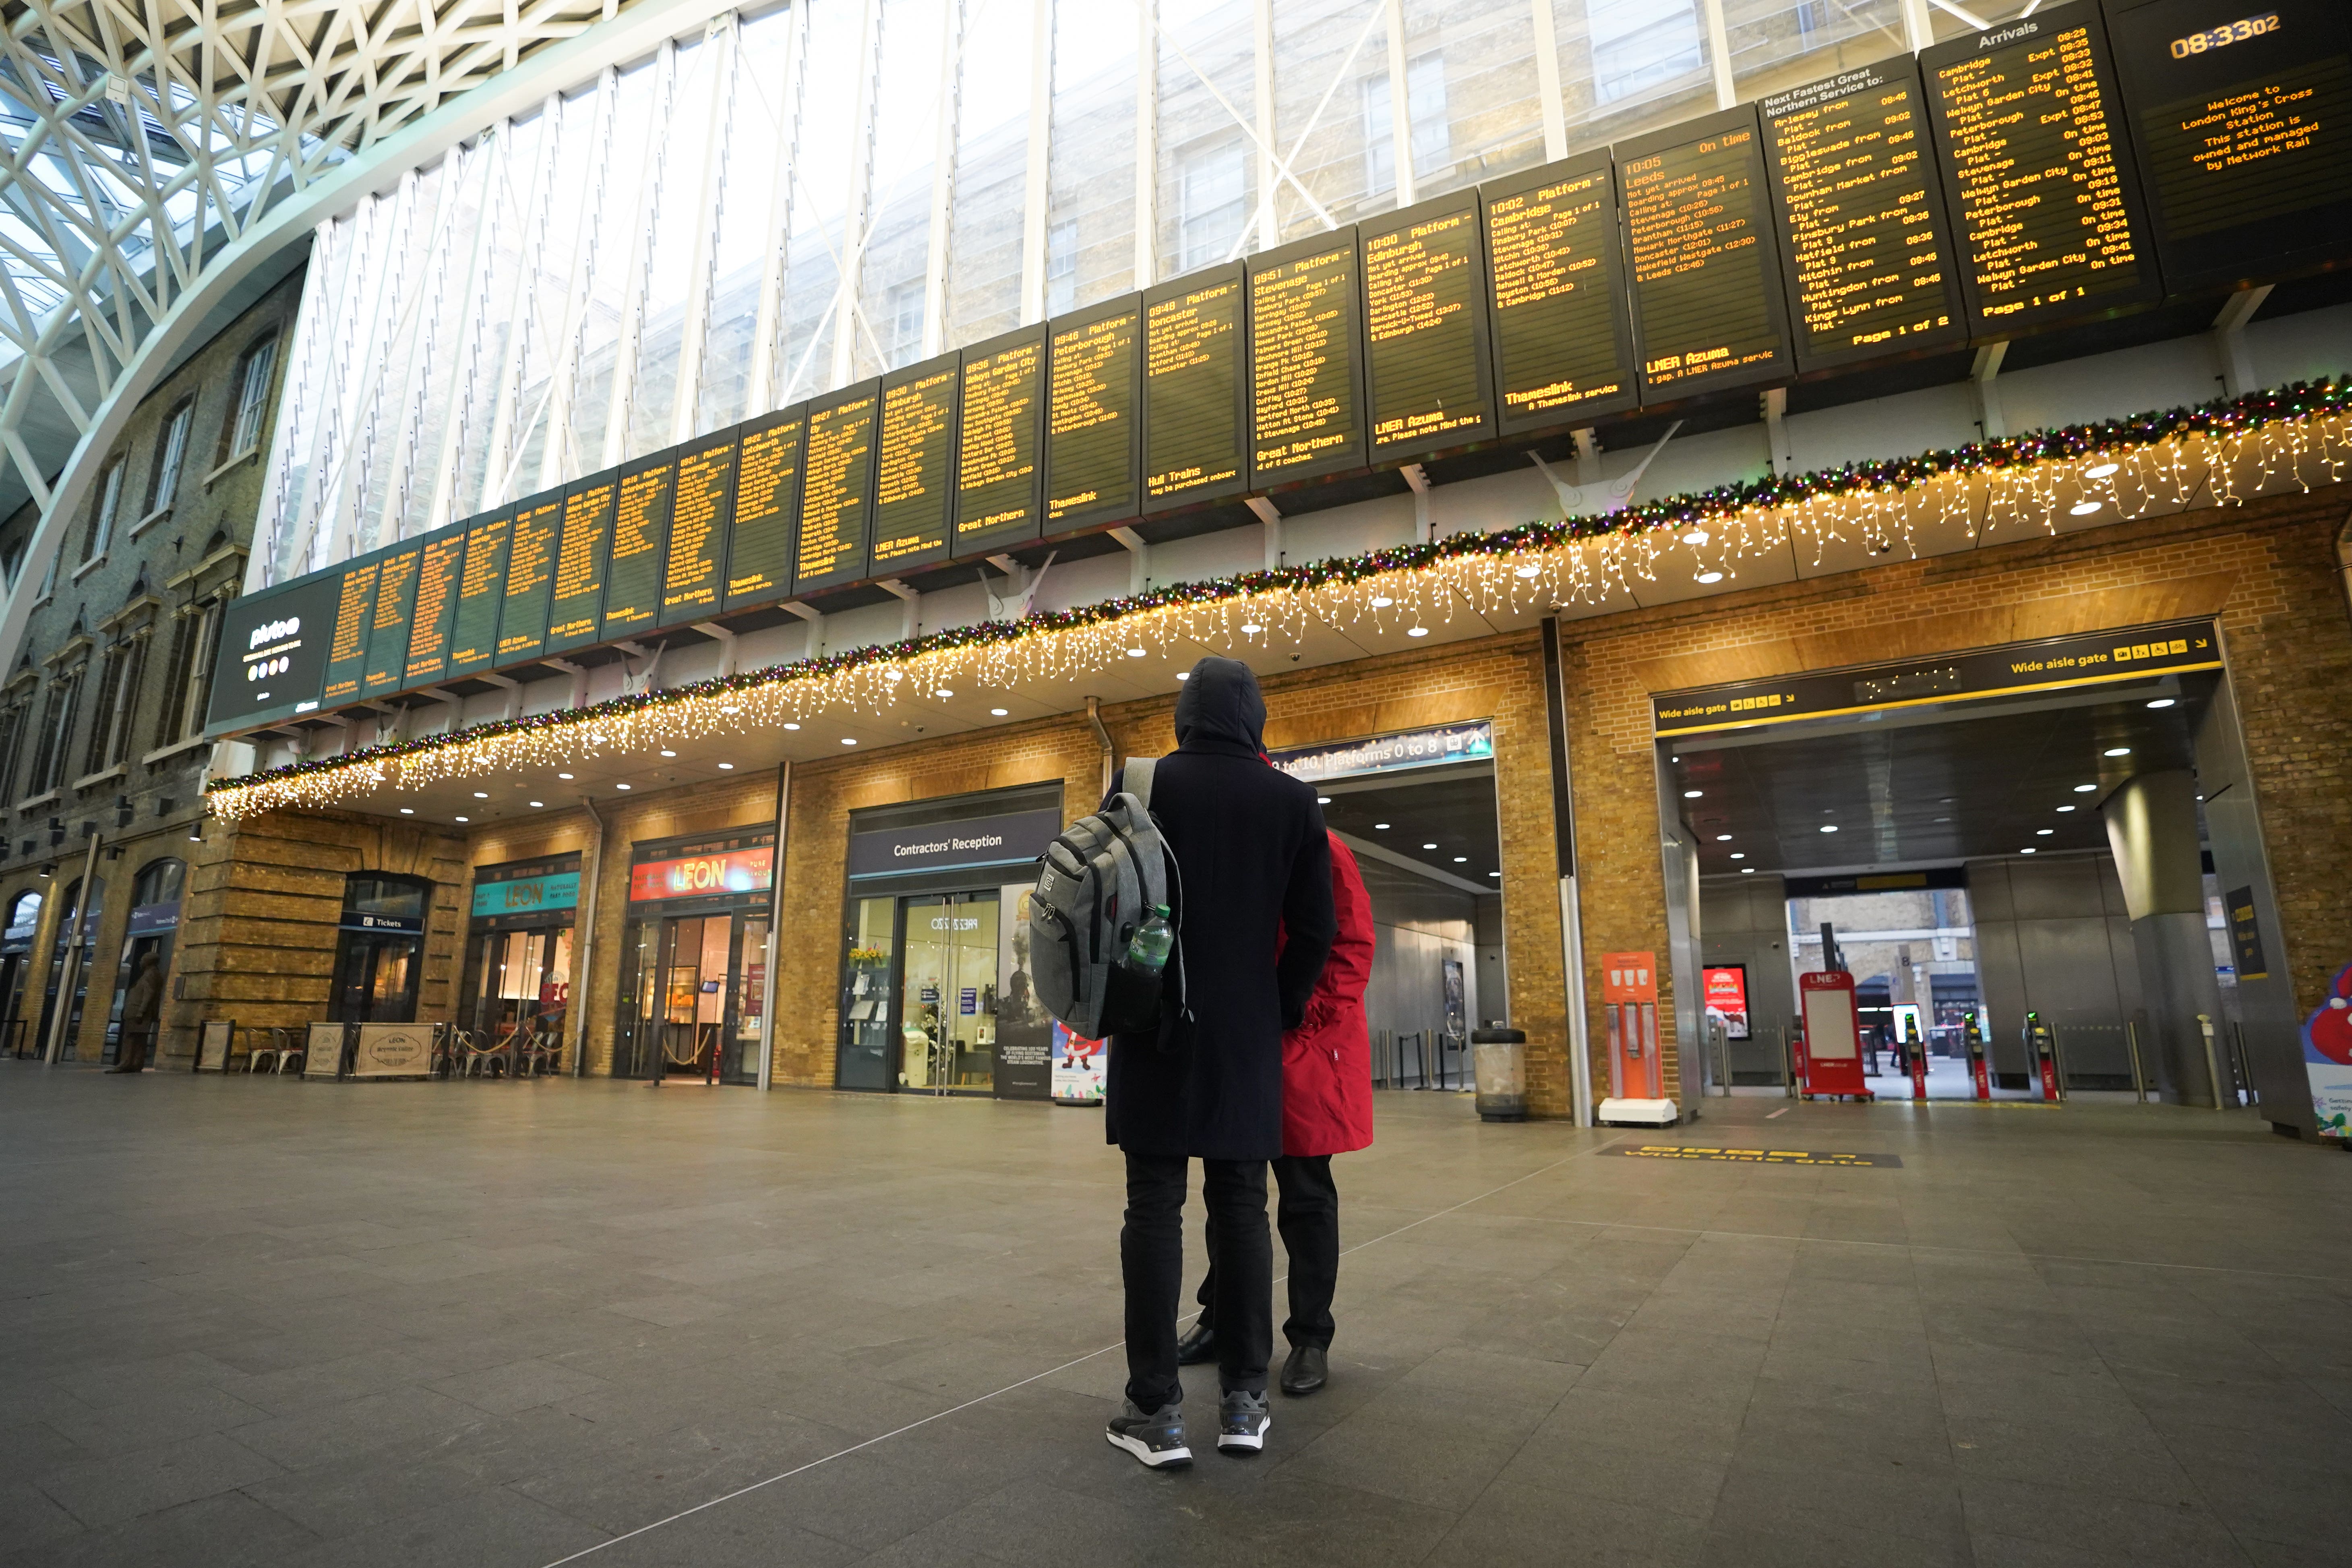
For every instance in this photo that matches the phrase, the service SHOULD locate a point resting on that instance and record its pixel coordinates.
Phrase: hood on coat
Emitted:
(1220, 702)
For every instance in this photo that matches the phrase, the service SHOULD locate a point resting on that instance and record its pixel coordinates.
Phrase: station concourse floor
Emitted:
(500, 1325)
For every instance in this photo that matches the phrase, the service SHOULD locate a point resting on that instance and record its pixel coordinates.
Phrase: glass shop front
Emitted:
(518, 979)
(694, 957)
(935, 994)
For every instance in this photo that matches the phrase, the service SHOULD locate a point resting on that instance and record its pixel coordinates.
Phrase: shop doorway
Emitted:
(520, 986)
(946, 998)
(693, 983)
(379, 953)
(16, 965)
(147, 941)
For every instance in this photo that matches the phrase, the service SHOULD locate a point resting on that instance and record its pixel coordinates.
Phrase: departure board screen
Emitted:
(1307, 404)
(1000, 457)
(1093, 394)
(2030, 135)
(1425, 370)
(632, 579)
(582, 554)
(914, 466)
(692, 575)
(837, 497)
(1708, 306)
(347, 645)
(530, 578)
(1563, 338)
(1869, 256)
(439, 574)
(395, 599)
(2242, 123)
(767, 508)
(481, 586)
(272, 658)
(1194, 389)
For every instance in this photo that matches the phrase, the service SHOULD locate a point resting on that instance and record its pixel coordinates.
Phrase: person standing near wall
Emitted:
(142, 1004)
(1327, 1109)
(1251, 886)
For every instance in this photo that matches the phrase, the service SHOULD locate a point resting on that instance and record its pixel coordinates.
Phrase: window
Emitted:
(1433, 136)
(101, 521)
(55, 732)
(169, 457)
(902, 323)
(10, 565)
(188, 676)
(252, 397)
(12, 736)
(1638, 44)
(118, 693)
(1062, 266)
(1213, 203)
(50, 578)
(158, 882)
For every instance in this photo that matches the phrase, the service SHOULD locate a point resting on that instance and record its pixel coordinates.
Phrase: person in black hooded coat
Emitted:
(1252, 880)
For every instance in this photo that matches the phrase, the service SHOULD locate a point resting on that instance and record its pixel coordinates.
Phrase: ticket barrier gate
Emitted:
(1915, 1051)
(1977, 1069)
(2043, 1043)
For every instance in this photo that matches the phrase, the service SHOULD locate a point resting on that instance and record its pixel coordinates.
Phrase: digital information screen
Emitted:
(1094, 393)
(914, 468)
(1426, 372)
(1869, 256)
(481, 587)
(767, 508)
(530, 578)
(581, 557)
(999, 456)
(1708, 306)
(633, 580)
(1563, 334)
(273, 652)
(692, 571)
(347, 643)
(434, 621)
(1306, 405)
(1193, 390)
(837, 500)
(2242, 122)
(2044, 206)
(395, 598)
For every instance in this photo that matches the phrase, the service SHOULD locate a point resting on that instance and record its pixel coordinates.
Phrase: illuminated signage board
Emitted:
(274, 651)
(633, 577)
(837, 495)
(1306, 355)
(1561, 329)
(1195, 390)
(440, 573)
(530, 578)
(718, 872)
(691, 575)
(583, 555)
(395, 599)
(348, 647)
(914, 468)
(766, 521)
(481, 586)
(1000, 454)
(1426, 382)
(1092, 402)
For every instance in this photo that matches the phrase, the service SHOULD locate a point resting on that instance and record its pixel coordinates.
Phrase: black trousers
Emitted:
(1307, 1215)
(1151, 1262)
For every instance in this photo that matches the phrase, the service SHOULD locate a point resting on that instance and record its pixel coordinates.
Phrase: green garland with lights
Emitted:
(2222, 419)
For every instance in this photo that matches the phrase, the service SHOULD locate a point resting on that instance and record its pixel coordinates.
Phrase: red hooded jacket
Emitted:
(1326, 1061)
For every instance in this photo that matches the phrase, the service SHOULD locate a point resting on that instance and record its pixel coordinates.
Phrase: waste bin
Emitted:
(1499, 1059)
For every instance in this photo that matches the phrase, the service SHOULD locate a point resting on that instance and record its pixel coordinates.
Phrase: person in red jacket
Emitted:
(1327, 1109)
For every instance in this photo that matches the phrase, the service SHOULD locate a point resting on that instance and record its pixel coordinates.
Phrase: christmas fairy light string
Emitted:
(2223, 452)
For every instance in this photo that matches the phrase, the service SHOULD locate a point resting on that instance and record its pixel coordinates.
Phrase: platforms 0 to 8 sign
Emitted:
(2047, 212)
(1869, 254)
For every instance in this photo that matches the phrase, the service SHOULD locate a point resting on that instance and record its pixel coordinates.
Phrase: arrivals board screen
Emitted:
(1867, 251)
(582, 554)
(691, 573)
(767, 508)
(481, 585)
(1094, 382)
(914, 468)
(837, 497)
(1000, 457)
(632, 579)
(1195, 390)
(2030, 135)
(1563, 334)
(1307, 404)
(2242, 122)
(1708, 306)
(274, 648)
(395, 598)
(439, 574)
(530, 577)
(347, 642)
(1426, 363)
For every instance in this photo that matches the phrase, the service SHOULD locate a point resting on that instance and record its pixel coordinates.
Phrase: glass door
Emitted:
(523, 981)
(946, 995)
(742, 1060)
(867, 1050)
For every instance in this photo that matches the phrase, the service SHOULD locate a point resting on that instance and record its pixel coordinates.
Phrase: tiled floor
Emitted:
(489, 1324)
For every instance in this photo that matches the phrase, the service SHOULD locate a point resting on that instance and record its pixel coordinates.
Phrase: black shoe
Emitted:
(1305, 1370)
(1199, 1344)
(1241, 1422)
(1157, 1439)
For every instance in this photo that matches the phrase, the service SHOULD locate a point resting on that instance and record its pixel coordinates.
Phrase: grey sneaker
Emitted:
(1241, 1421)
(1156, 1439)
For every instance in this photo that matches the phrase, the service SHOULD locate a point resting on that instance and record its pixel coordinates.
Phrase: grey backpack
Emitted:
(1098, 882)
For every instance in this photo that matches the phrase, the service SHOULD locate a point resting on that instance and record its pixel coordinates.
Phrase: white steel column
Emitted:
(641, 242)
(1918, 26)
(1555, 109)
(1268, 229)
(1718, 54)
(846, 312)
(420, 315)
(943, 169)
(1147, 142)
(694, 329)
(766, 323)
(497, 460)
(1035, 187)
(564, 365)
(1401, 106)
(291, 514)
(491, 154)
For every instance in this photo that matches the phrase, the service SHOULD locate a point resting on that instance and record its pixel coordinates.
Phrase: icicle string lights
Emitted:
(2226, 451)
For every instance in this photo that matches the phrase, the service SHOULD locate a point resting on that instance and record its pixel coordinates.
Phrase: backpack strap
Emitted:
(1137, 777)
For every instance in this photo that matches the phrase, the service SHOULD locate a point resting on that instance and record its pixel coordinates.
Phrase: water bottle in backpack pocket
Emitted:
(1099, 932)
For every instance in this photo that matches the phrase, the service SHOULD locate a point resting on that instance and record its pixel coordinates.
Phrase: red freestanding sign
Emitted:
(1832, 1034)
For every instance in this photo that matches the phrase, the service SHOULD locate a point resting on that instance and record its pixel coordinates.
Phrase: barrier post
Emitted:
(1977, 1059)
(1915, 1051)
(2045, 1057)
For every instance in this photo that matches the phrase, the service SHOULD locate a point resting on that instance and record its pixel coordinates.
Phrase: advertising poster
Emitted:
(2328, 1059)
(1077, 1067)
(1725, 992)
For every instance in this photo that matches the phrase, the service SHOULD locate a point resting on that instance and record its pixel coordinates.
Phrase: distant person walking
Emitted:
(1253, 880)
(1327, 1109)
(142, 1005)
